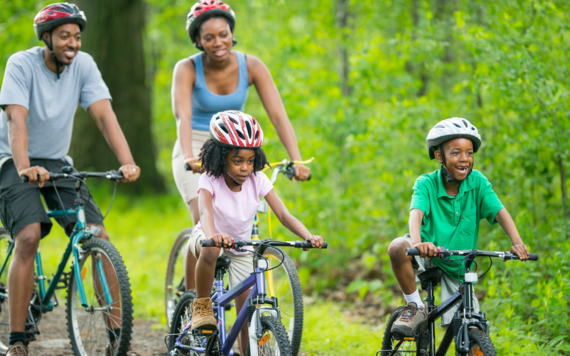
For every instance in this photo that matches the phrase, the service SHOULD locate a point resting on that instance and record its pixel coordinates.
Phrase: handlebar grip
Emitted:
(207, 243)
(187, 167)
(412, 252)
(307, 244)
(25, 179)
(533, 257)
(310, 176)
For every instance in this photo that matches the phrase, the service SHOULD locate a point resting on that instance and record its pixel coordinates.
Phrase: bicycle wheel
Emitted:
(481, 344)
(180, 320)
(404, 345)
(5, 242)
(274, 341)
(283, 282)
(174, 283)
(91, 329)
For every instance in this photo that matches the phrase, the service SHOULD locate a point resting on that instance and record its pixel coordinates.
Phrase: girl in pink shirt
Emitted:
(228, 199)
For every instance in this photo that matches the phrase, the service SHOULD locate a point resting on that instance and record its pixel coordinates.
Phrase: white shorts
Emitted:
(241, 266)
(448, 285)
(187, 181)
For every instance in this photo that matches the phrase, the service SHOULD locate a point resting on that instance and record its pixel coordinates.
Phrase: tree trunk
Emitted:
(114, 37)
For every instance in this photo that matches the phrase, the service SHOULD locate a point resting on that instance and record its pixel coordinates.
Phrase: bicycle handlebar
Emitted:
(111, 175)
(288, 170)
(295, 244)
(506, 255)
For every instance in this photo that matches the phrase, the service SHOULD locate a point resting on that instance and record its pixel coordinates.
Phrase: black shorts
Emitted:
(21, 205)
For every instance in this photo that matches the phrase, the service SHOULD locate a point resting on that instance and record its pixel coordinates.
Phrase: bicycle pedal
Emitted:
(205, 332)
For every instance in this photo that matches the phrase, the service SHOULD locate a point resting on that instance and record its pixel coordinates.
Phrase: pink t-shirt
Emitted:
(234, 212)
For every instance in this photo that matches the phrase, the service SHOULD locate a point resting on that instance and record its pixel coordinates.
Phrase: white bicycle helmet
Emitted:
(234, 128)
(450, 129)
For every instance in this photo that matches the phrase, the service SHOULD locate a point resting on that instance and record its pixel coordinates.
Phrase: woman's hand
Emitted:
(315, 240)
(302, 172)
(521, 251)
(427, 249)
(131, 172)
(222, 240)
(192, 163)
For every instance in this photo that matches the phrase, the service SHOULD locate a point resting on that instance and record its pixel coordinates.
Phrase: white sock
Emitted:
(415, 298)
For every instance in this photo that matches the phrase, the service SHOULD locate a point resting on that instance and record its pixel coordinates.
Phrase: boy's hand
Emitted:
(222, 240)
(316, 241)
(521, 251)
(427, 249)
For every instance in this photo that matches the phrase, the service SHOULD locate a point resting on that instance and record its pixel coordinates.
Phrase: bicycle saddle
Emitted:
(223, 262)
(432, 273)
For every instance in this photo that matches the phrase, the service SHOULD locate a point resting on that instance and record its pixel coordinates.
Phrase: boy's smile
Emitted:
(458, 157)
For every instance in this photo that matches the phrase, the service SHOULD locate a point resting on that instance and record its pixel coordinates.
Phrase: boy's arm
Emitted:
(291, 222)
(427, 249)
(207, 220)
(506, 221)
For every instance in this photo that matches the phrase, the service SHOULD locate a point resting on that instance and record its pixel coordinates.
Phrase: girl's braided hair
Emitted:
(213, 158)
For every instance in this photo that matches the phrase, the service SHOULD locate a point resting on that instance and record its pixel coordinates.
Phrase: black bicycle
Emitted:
(469, 329)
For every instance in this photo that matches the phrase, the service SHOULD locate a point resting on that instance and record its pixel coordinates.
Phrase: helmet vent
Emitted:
(234, 121)
(257, 135)
(465, 123)
(248, 126)
(456, 125)
(240, 134)
(224, 128)
(440, 126)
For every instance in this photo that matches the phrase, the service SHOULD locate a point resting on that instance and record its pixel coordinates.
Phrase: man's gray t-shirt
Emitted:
(51, 102)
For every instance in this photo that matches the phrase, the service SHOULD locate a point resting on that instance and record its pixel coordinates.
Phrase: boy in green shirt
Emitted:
(446, 208)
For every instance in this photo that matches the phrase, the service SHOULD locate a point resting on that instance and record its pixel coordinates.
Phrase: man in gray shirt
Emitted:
(39, 96)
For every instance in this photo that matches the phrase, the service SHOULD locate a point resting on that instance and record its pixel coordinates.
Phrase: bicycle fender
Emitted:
(255, 329)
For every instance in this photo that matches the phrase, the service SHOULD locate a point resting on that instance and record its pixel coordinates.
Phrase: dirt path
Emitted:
(148, 337)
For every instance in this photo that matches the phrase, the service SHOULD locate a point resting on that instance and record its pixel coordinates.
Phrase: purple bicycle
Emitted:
(261, 312)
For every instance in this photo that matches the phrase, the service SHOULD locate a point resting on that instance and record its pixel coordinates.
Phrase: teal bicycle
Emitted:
(99, 301)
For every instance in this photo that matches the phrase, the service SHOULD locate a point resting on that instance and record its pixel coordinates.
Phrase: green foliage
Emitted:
(501, 64)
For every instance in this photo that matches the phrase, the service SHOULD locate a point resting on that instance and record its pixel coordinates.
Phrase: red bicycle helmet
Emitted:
(235, 129)
(203, 10)
(57, 14)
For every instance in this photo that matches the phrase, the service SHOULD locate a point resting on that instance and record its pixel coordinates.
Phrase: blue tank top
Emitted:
(205, 103)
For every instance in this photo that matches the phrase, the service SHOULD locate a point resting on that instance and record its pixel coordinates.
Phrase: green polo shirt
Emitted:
(453, 222)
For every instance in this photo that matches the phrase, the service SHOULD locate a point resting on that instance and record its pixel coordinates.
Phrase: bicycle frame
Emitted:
(79, 233)
(223, 298)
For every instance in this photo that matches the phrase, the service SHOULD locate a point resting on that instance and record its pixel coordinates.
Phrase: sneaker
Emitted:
(111, 347)
(18, 349)
(203, 314)
(411, 318)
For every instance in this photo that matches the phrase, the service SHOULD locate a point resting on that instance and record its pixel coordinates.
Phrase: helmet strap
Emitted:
(50, 47)
(448, 177)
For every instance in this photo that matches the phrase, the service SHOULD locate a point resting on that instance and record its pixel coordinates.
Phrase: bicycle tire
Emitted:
(86, 340)
(5, 240)
(294, 298)
(180, 319)
(479, 339)
(390, 338)
(174, 282)
(273, 325)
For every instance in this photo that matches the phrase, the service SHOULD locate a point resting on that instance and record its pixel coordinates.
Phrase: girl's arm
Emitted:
(260, 76)
(207, 220)
(291, 222)
(506, 221)
(183, 80)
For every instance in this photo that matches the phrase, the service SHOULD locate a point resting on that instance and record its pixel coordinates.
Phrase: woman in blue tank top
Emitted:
(214, 80)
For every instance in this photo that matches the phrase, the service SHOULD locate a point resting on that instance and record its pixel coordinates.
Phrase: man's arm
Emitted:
(16, 116)
(106, 120)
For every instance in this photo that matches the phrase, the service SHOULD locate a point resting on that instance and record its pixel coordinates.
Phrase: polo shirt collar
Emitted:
(465, 186)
